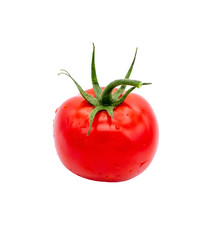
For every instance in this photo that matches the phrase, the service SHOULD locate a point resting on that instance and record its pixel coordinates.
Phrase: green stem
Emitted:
(106, 96)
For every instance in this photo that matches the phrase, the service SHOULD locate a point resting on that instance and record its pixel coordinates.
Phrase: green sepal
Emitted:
(118, 93)
(120, 100)
(109, 110)
(85, 95)
(96, 87)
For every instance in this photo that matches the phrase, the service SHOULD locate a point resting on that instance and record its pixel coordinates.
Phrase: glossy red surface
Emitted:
(116, 149)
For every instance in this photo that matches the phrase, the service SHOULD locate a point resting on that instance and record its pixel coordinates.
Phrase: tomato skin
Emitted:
(116, 149)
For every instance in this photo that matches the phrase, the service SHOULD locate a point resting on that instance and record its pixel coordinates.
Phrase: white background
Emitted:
(40, 198)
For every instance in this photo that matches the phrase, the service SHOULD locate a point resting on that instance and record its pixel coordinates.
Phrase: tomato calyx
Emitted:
(105, 99)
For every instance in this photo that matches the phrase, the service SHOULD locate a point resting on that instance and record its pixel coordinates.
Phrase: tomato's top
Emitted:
(104, 98)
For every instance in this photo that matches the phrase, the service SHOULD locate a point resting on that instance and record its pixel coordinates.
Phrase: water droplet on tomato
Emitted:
(117, 127)
(64, 106)
(141, 164)
(84, 125)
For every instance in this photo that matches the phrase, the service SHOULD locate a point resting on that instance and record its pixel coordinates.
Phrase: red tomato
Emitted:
(116, 149)
(106, 134)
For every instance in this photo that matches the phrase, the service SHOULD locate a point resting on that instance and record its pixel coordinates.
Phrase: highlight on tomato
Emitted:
(106, 133)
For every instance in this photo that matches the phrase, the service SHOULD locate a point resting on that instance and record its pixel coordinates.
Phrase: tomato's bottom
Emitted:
(109, 177)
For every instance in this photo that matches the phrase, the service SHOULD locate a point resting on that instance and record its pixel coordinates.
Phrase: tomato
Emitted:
(115, 144)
